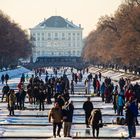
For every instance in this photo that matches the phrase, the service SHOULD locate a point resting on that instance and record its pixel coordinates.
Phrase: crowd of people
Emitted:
(122, 95)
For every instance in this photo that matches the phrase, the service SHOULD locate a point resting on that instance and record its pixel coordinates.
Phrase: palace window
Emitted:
(73, 44)
(78, 53)
(56, 34)
(73, 52)
(63, 34)
(69, 53)
(38, 53)
(49, 36)
(59, 53)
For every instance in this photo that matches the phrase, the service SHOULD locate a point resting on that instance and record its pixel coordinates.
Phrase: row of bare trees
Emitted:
(117, 38)
(14, 42)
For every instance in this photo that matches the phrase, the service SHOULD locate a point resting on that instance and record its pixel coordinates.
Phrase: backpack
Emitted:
(120, 121)
(95, 117)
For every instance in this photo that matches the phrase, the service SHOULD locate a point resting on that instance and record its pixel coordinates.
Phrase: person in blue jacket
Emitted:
(131, 116)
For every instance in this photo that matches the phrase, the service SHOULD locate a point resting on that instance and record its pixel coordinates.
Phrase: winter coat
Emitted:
(134, 108)
(96, 117)
(121, 101)
(94, 83)
(97, 84)
(56, 115)
(67, 112)
(20, 85)
(129, 117)
(12, 100)
(22, 94)
(128, 94)
(58, 88)
(102, 89)
(2, 78)
(6, 77)
(5, 89)
(60, 101)
(41, 96)
(88, 106)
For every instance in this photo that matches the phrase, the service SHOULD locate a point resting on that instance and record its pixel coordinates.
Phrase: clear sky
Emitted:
(29, 13)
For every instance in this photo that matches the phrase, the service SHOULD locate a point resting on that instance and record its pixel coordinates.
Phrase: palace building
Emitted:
(56, 37)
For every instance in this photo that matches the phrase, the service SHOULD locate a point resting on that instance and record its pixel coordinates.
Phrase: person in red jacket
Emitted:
(129, 93)
(98, 87)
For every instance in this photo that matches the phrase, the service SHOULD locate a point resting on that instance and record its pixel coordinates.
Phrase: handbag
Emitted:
(100, 125)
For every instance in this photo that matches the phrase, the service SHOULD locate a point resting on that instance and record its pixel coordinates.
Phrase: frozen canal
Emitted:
(32, 123)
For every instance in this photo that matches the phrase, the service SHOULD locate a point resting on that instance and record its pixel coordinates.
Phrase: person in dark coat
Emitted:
(137, 91)
(6, 78)
(121, 83)
(114, 99)
(67, 113)
(2, 78)
(48, 93)
(131, 116)
(5, 91)
(41, 98)
(72, 87)
(35, 93)
(94, 84)
(30, 93)
(100, 76)
(88, 107)
(22, 79)
(22, 95)
(60, 100)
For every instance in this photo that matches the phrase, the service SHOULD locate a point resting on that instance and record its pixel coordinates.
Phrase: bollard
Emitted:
(76, 134)
(122, 136)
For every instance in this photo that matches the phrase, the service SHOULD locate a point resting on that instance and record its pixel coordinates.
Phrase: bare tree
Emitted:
(14, 42)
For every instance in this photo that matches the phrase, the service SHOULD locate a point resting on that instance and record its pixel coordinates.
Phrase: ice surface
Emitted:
(31, 123)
